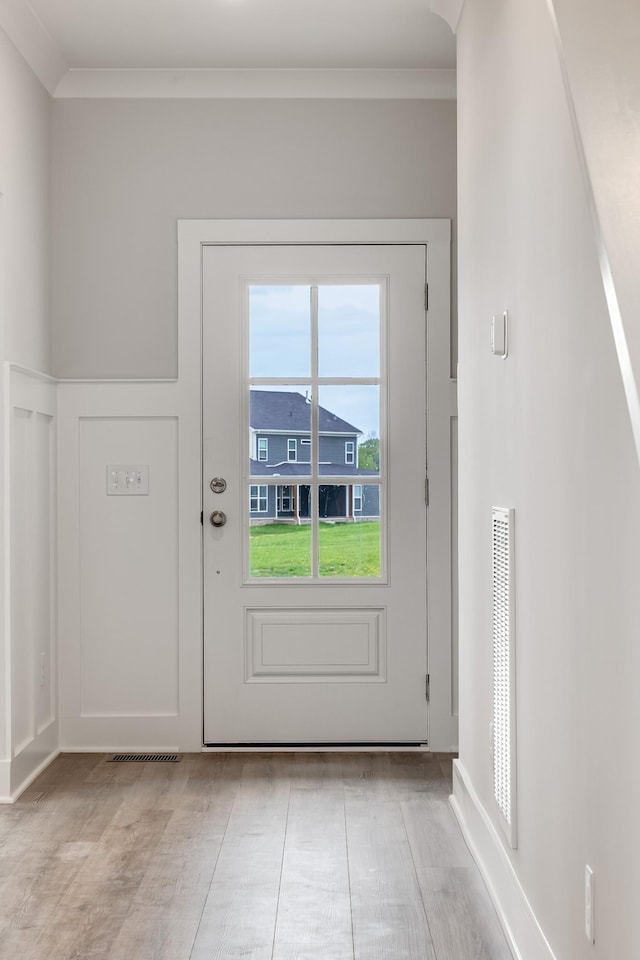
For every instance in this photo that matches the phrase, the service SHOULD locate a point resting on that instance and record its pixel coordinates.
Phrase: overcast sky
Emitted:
(348, 343)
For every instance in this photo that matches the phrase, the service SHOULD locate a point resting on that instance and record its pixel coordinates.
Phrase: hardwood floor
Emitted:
(254, 856)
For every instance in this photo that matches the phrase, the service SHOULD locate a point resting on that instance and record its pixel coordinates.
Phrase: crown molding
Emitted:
(388, 84)
(449, 10)
(29, 36)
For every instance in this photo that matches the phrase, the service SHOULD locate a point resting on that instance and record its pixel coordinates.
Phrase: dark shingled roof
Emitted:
(284, 410)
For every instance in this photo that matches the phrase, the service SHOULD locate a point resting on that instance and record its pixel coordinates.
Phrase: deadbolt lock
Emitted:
(218, 485)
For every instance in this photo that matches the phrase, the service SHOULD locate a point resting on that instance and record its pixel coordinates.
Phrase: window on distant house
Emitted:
(305, 452)
(357, 498)
(284, 499)
(349, 452)
(258, 498)
(263, 448)
(292, 449)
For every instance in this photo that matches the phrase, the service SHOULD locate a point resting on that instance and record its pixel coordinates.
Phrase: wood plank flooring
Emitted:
(254, 856)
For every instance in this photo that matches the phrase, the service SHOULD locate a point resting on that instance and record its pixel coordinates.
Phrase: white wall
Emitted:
(25, 154)
(599, 43)
(129, 567)
(547, 432)
(125, 171)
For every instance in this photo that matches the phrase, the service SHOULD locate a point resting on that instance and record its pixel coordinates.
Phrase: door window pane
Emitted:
(311, 441)
(280, 540)
(349, 530)
(279, 330)
(349, 430)
(349, 330)
(279, 432)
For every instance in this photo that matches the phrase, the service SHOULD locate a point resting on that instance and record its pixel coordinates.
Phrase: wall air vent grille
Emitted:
(145, 758)
(504, 745)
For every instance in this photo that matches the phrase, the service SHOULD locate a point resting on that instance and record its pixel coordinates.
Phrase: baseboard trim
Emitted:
(522, 930)
(126, 748)
(9, 793)
(313, 748)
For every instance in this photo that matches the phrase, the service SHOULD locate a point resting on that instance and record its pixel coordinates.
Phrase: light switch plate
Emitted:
(127, 480)
(589, 904)
(499, 335)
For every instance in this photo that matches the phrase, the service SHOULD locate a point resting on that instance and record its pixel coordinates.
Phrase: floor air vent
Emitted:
(504, 689)
(145, 758)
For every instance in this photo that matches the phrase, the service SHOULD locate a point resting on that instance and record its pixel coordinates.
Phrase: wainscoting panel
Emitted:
(29, 634)
(43, 607)
(454, 575)
(22, 641)
(129, 567)
(129, 570)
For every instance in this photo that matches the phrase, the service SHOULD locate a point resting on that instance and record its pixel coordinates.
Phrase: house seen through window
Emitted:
(314, 501)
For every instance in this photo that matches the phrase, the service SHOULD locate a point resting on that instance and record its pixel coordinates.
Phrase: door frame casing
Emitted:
(193, 235)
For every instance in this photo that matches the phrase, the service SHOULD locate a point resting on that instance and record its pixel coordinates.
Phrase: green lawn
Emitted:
(345, 550)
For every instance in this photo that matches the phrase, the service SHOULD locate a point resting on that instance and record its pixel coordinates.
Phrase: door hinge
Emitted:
(202, 518)
(426, 491)
(427, 690)
(426, 296)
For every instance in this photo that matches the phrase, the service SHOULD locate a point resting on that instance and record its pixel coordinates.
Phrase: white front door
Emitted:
(314, 400)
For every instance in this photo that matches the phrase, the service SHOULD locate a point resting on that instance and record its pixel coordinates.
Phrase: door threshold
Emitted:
(329, 747)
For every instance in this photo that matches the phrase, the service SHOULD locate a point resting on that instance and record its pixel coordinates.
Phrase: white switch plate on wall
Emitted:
(588, 904)
(499, 334)
(127, 480)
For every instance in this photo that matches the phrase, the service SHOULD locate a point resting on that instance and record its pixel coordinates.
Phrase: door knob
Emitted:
(218, 518)
(218, 485)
